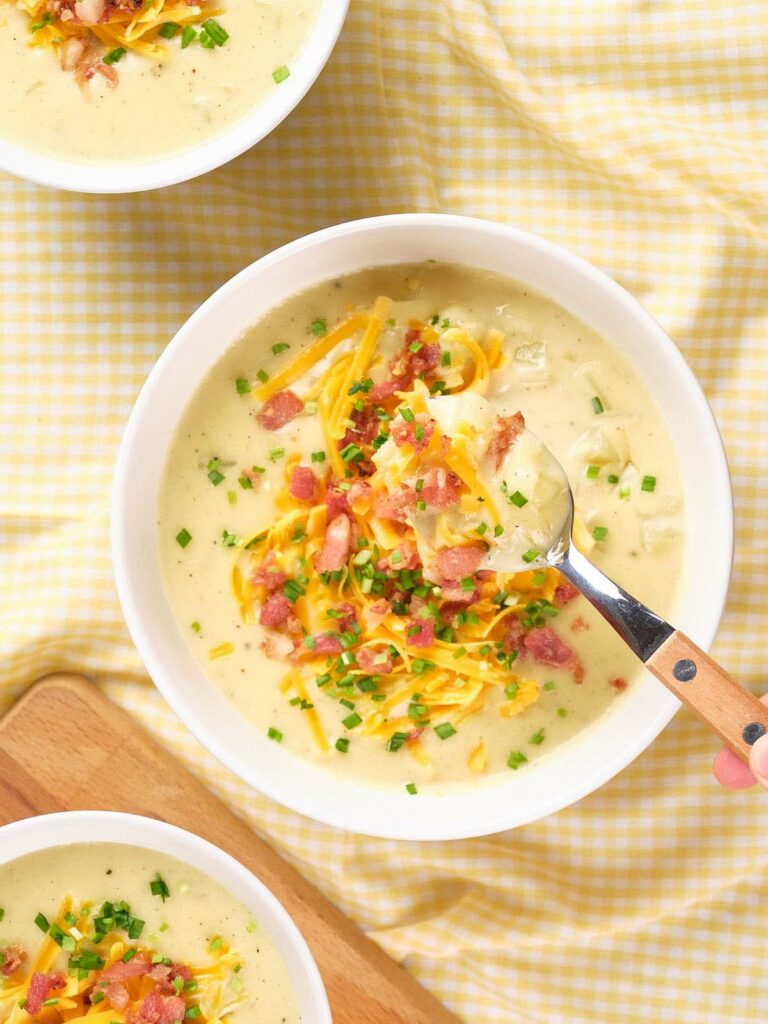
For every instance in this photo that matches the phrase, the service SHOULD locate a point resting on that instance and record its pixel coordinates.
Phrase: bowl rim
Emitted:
(278, 785)
(125, 178)
(66, 828)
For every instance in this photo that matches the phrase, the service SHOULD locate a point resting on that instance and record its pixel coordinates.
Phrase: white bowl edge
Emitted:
(571, 771)
(69, 827)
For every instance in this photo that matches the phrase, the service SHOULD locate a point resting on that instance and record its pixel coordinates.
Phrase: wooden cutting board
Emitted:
(64, 747)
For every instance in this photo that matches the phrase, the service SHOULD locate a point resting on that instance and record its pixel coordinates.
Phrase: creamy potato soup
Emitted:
(336, 492)
(120, 935)
(146, 80)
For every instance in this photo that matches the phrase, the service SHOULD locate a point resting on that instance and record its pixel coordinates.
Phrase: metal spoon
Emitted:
(695, 678)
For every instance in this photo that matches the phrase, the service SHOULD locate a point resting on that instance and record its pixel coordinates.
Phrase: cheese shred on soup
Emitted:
(336, 491)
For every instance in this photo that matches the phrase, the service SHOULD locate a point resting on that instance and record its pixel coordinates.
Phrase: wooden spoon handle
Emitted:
(734, 713)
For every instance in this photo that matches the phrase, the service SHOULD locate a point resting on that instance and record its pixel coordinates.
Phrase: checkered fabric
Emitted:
(632, 131)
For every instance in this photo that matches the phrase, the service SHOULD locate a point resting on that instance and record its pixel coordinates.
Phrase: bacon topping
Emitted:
(564, 593)
(303, 483)
(420, 632)
(506, 430)
(374, 660)
(275, 612)
(396, 506)
(40, 985)
(335, 500)
(456, 563)
(417, 433)
(453, 592)
(441, 489)
(11, 959)
(158, 1009)
(135, 968)
(619, 683)
(116, 995)
(327, 643)
(338, 537)
(545, 646)
(404, 556)
(268, 574)
(278, 410)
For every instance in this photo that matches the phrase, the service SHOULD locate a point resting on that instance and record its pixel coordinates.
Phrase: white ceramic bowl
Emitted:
(55, 830)
(76, 176)
(570, 771)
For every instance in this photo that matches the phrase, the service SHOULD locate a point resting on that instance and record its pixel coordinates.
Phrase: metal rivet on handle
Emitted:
(684, 670)
(753, 732)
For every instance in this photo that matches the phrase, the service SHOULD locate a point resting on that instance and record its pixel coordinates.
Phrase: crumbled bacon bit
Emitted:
(579, 625)
(277, 646)
(456, 563)
(12, 958)
(375, 613)
(40, 985)
(406, 556)
(564, 593)
(327, 643)
(335, 500)
(619, 683)
(338, 538)
(158, 1009)
(268, 574)
(346, 616)
(303, 484)
(278, 410)
(514, 634)
(441, 489)
(117, 995)
(396, 506)
(374, 660)
(420, 632)
(135, 968)
(417, 433)
(545, 646)
(506, 430)
(365, 427)
(275, 611)
(453, 592)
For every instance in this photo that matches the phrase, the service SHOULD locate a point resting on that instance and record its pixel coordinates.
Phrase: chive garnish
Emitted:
(538, 738)
(215, 477)
(593, 472)
(410, 787)
(342, 745)
(444, 730)
(183, 537)
(516, 758)
(281, 346)
(518, 499)
(351, 721)
(188, 35)
(597, 405)
(600, 532)
(263, 376)
(648, 484)
(42, 922)
(530, 555)
(159, 887)
(407, 414)
(612, 478)
(396, 740)
(114, 56)
(511, 690)
(280, 74)
(168, 30)
(562, 713)
(317, 327)
(243, 386)
(274, 734)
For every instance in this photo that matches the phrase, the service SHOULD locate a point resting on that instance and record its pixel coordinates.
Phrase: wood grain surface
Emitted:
(64, 746)
(735, 714)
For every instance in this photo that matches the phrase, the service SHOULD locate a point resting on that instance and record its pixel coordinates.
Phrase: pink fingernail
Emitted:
(758, 758)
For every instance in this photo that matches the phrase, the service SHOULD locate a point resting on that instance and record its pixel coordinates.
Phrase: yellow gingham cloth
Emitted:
(633, 132)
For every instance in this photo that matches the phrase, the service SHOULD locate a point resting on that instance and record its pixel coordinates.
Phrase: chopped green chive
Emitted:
(263, 376)
(317, 327)
(548, 687)
(498, 530)
(538, 738)
(42, 922)
(243, 386)
(245, 482)
(215, 477)
(518, 499)
(597, 405)
(192, 1012)
(445, 359)
(530, 555)
(159, 887)
(274, 734)
(275, 454)
(593, 472)
(481, 529)
(231, 497)
(218, 35)
(169, 30)
(281, 346)
(515, 759)
(562, 713)
(600, 532)
(410, 787)
(612, 478)
(648, 484)
(511, 690)
(342, 745)
(407, 414)
(188, 35)
(46, 20)
(351, 721)
(396, 740)
(183, 537)
(445, 730)
(318, 456)
(114, 56)
(129, 955)
(352, 453)
(624, 492)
